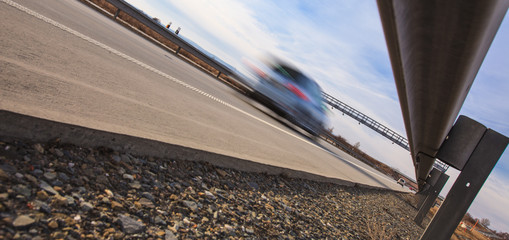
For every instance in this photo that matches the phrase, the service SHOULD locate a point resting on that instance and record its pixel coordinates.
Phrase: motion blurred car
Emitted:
(290, 94)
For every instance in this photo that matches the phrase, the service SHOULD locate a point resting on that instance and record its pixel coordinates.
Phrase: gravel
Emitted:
(53, 190)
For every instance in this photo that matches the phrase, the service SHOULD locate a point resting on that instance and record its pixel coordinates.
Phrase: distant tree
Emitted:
(485, 222)
(357, 145)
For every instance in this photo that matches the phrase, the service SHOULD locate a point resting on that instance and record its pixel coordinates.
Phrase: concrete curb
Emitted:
(15, 126)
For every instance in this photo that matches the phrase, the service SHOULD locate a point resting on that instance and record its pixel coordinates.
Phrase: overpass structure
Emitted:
(375, 126)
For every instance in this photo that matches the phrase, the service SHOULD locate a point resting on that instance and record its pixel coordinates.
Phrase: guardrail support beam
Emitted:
(439, 179)
(116, 14)
(467, 185)
(430, 182)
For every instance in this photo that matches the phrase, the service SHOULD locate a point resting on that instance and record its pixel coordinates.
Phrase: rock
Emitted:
(169, 235)
(59, 201)
(148, 196)
(50, 176)
(63, 176)
(130, 225)
(53, 224)
(146, 203)
(250, 230)
(228, 228)
(86, 206)
(191, 205)
(221, 172)
(159, 221)
(23, 190)
(70, 200)
(42, 195)
(42, 206)
(23, 221)
(32, 179)
(46, 187)
(135, 185)
(108, 192)
(210, 195)
(116, 205)
(38, 172)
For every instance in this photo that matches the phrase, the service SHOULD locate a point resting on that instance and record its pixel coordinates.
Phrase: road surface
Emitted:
(65, 62)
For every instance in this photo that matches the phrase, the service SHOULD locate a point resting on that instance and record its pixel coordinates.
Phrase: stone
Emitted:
(135, 185)
(209, 195)
(146, 203)
(116, 205)
(108, 192)
(23, 190)
(50, 176)
(191, 205)
(46, 187)
(169, 235)
(53, 224)
(221, 172)
(148, 196)
(23, 221)
(32, 179)
(59, 201)
(86, 206)
(159, 220)
(130, 225)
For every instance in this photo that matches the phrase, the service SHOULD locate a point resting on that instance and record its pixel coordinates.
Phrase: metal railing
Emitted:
(125, 7)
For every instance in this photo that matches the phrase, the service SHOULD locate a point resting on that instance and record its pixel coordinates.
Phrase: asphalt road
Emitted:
(84, 69)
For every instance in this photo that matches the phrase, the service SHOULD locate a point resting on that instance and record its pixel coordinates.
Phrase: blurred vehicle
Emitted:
(290, 94)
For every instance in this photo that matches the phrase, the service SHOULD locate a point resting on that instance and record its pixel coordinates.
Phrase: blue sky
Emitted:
(341, 45)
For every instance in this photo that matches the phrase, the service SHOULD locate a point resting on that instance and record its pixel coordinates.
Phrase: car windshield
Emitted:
(302, 80)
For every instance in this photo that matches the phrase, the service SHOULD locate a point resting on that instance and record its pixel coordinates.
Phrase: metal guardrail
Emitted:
(182, 44)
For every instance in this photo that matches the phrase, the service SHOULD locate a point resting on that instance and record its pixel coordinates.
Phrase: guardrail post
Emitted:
(178, 50)
(439, 179)
(219, 74)
(116, 14)
(430, 182)
(473, 175)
